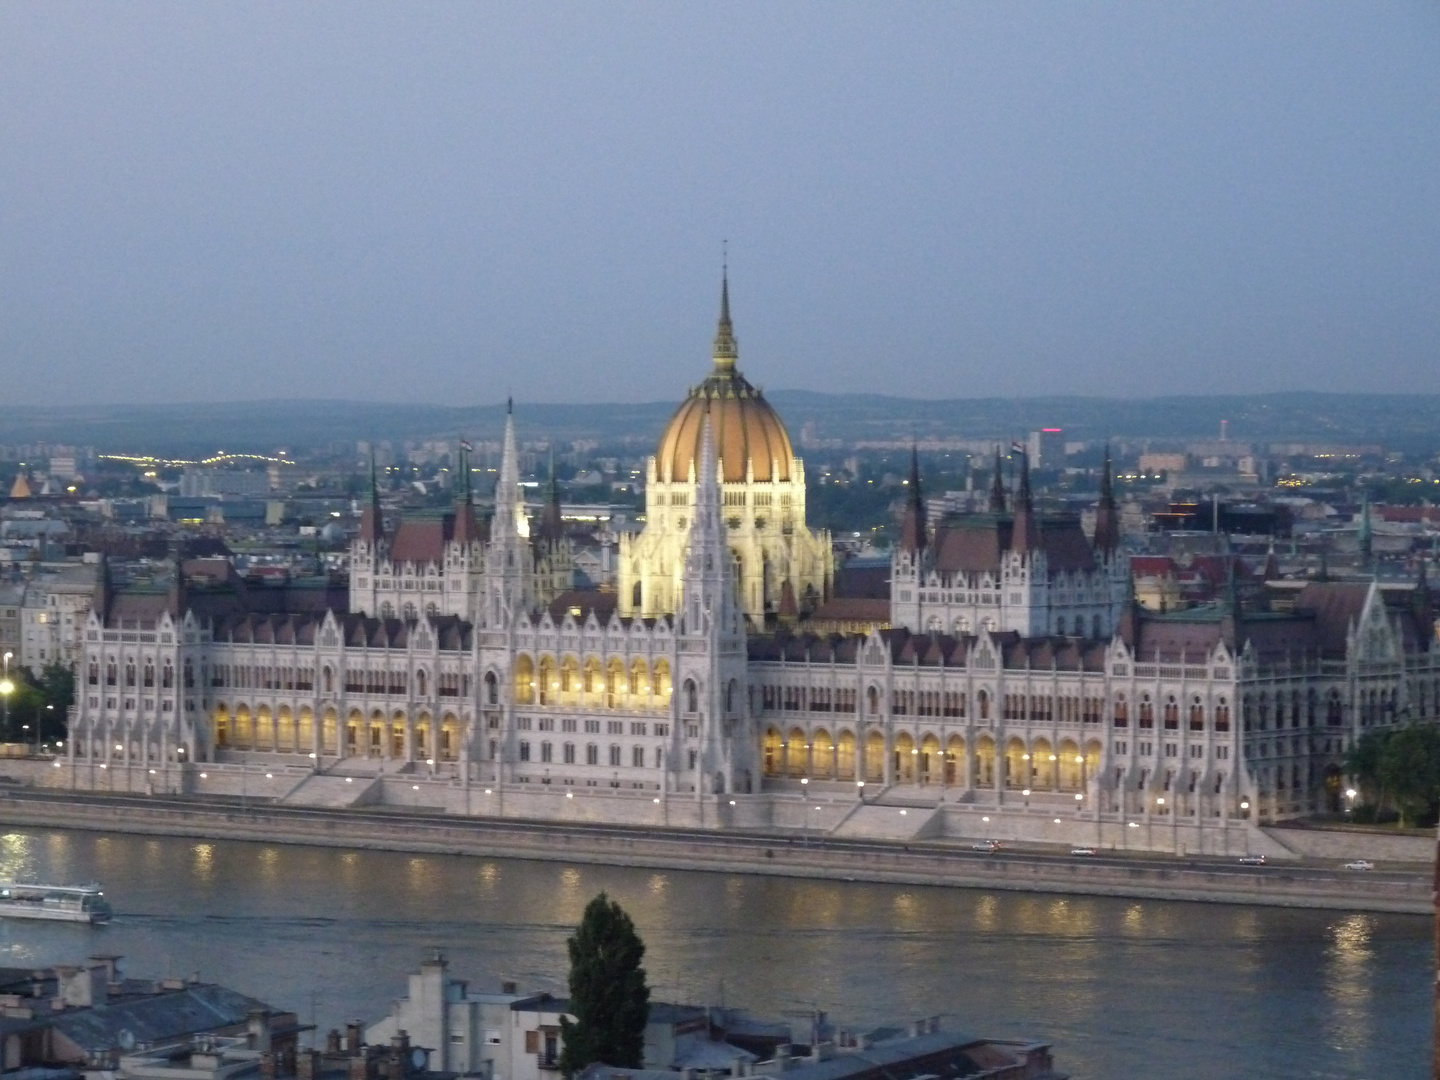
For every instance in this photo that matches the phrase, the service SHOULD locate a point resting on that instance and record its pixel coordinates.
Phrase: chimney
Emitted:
(307, 1065)
(267, 1065)
(332, 1041)
(354, 1036)
(257, 1030)
(82, 987)
(110, 962)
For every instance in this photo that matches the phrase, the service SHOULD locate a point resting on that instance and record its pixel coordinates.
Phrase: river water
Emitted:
(1124, 988)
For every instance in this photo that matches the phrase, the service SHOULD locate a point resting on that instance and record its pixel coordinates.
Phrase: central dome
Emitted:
(746, 430)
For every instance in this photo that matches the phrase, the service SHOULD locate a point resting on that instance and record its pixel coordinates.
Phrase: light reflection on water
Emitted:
(1122, 987)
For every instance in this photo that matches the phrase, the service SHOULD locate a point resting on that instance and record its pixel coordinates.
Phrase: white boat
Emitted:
(58, 903)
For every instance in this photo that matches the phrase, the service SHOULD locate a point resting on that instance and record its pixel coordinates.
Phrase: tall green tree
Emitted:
(1362, 761)
(608, 994)
(1410, 770)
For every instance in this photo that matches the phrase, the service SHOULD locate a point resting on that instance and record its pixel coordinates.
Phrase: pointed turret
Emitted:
(1107, 518)
(507, 487)
(509, 559)
(997, 487)
(912, 525)
(1421, 601)
(709, 588)
(552, 526)
(727, 350)
(372, 522)
(1366, 536)
(1025, 536)
(177, 601)
(104, 590)
(1232, 622)
(467, 529)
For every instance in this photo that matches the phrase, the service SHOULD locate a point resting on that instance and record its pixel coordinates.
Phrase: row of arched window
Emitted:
(146, 675)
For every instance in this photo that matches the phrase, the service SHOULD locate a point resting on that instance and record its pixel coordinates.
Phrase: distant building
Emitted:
(53, 616)
(89, 1017)
(510, 1036)
(1046, 448)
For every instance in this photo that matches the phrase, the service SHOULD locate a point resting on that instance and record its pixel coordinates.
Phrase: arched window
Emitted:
(692, 697)
(1197, 715)
(492, 689)
(329, 680)
(1172, 713)
(167, 676)
(1122, 711)
(1147, 712)
(1060, 625)
(873, 697)
(984, 700)
(149, 673)
(635, 595)
(110, 673)
(130, 673)
(387, 610)
(421, 682)
(1222, 715)
(409, 611)
(94, 674)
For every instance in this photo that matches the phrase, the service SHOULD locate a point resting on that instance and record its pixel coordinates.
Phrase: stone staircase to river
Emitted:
(333, 792)
(880, 821)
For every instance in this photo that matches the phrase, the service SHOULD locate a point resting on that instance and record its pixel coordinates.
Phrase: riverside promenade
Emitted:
(916, 862)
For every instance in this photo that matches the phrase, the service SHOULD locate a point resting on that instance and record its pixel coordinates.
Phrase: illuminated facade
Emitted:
(1017, 676)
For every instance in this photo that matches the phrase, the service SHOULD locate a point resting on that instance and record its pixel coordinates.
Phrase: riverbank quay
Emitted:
(913, 863)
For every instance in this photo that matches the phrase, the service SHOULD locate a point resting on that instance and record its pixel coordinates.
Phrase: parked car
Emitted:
(1252, 860)
(1083, 851)
(986, 845)
(1360, 864)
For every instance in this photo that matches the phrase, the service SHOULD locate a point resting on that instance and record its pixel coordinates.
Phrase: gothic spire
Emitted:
(507, 487)
(997, 487)
(1025, 536)
(912, 525)
(177, 600)
(727, 350)
(551, 523)
(1107, 521)
(372, 522)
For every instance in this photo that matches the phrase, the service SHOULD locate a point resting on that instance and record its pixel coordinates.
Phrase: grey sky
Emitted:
(431, 202)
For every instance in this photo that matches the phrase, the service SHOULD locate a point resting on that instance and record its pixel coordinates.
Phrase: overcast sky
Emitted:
(456, 202)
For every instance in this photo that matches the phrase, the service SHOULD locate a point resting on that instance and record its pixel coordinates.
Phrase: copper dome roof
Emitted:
(745, 428)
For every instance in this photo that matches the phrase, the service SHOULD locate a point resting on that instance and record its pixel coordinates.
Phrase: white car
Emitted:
(1082, 851)
(1252, 860)
(1360, 864)
(986, 845)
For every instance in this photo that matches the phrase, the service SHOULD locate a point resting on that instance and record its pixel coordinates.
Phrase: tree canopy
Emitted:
(1399, 768)
(608, 994)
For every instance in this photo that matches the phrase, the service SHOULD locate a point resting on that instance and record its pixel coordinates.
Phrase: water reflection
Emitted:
(1123, 987)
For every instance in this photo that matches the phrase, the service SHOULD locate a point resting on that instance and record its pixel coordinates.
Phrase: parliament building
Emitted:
(1016, 690)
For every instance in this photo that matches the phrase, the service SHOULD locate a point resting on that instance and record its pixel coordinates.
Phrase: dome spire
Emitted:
(726, 349)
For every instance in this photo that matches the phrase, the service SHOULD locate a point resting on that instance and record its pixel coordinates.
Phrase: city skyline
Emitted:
(974, 201)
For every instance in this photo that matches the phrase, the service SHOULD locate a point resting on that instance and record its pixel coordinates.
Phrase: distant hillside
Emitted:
(1402, 422)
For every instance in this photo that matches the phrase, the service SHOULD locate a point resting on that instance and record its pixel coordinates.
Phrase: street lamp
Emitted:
(6, 689)
(805, 828)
